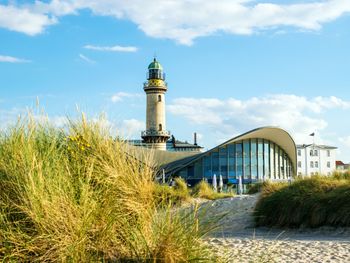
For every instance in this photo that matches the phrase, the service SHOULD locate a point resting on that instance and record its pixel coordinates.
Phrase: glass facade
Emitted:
(253, 159)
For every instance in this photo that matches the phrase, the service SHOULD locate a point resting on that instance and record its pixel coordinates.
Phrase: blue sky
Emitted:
(231, 66)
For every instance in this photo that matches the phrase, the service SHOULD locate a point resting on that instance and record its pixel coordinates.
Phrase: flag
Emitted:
(312, 134)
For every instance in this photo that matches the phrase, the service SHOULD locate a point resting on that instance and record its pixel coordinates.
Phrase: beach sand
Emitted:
(239, 241)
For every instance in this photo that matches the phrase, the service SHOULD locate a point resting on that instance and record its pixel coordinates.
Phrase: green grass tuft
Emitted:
(204, 190)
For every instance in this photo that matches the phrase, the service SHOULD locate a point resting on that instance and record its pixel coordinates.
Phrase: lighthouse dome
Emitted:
(155, 65)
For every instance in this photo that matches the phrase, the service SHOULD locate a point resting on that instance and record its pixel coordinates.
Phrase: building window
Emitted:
(207, 166)
(328, 153)
(239, 160)
(160, 127)
(159, 97)
(312, 164)
(299, 164)
(232, 161)
(254, 160)
(215, 163)
(316, 164)
(299, 152)
(246, 160)
(329, 164)
(315, 153)
(223, 161)
(311, 152)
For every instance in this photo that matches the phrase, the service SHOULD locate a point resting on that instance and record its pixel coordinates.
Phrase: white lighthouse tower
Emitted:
(155, 135)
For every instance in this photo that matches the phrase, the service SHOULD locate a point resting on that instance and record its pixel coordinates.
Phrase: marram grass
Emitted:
(313, 202)
(204, 190)
(79, 195)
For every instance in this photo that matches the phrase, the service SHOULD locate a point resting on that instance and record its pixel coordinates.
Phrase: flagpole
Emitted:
(313, 138)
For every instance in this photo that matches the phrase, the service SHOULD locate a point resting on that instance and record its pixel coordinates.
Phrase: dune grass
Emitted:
(79, 195)
(312, 202)
(204, 190)
(176, 195)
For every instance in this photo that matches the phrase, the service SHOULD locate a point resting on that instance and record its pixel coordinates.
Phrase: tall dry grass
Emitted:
(80, 195)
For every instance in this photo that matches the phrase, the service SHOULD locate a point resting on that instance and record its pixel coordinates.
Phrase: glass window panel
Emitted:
(207, 166)
(281, 163)
(289, 168)
(284, 165)
(260, 158)
(223, 161)
(215, 163)
(239, 159)
(232, 161)
(183, 173)
(246, 159)
(254, 159)
(272, 160)
(190, 171)
(277, 166)
(198, 169)
(266, 159)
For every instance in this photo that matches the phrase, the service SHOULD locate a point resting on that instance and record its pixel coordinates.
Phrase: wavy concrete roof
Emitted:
(274, 134)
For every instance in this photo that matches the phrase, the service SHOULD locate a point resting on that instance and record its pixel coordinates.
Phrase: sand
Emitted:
(239, 241)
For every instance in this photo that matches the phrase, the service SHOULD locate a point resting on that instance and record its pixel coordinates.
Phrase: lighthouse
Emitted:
(155, 136)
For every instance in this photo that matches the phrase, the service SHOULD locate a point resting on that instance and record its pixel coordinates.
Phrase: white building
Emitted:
(315, 159)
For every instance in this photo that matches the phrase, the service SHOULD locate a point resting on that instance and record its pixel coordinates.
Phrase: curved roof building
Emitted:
(260, 154)
(267, 153)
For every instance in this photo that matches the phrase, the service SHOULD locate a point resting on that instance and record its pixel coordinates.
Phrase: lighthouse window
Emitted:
(160, 127)
(159, 97)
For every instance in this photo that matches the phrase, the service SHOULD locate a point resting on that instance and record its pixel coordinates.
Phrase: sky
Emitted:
(231, 65)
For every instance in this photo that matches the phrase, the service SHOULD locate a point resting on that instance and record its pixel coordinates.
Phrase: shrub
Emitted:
(311, 202)
(341, 175)
(79, 195)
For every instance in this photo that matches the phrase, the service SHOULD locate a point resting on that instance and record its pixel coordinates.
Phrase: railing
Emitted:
(155, 133)
(146, 85)
(155, 75)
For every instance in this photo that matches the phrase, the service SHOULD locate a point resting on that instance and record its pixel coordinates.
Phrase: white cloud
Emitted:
(118, 97)
(112, 48)
(132, 128)
(183, 20)
(298, 115)
(9, 118)
(10, 59)
(57, 121)
(345, 141)
(86, 59)
(24, 20)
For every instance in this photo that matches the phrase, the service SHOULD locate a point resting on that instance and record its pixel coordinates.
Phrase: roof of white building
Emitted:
(319, 146)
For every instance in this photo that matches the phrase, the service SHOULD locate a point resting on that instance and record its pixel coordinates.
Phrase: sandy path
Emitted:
(260, 250)
(241, 242)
